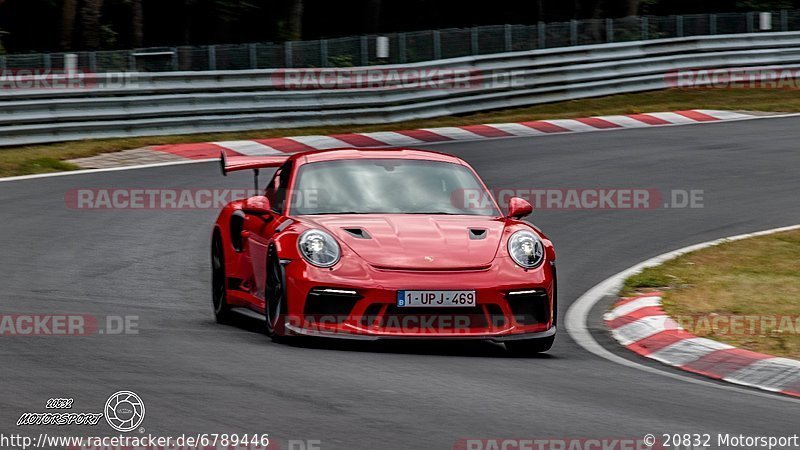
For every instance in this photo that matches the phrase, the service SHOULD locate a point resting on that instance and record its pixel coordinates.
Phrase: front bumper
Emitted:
(511, 303)
(499, 338)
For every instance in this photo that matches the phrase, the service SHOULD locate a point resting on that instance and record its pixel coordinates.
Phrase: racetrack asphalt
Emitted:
(196, 376)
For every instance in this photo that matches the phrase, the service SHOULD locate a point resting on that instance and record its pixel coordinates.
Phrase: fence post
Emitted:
(712, 24)
(288, 58)
(93, 62)
(175, 58)
(131, 62)
(765, 21)
(364, 51)
(212, 57)
(749, 17)
(645, 28)
(323, 53)
(507, 38)
(473, 41)
(679, 25)
(253, 56)
(70, 62)
(47, 61)
(573, 32)
(401, 47)
(609, 30)
(784, 20)
(437, 45)
(542, 29)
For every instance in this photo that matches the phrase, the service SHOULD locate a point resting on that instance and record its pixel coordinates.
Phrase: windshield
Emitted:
(388, 186)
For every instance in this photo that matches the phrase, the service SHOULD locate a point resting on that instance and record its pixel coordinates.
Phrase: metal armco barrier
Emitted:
(160, 103)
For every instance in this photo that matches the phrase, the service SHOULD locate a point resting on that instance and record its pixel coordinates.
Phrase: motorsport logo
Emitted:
(124, 411)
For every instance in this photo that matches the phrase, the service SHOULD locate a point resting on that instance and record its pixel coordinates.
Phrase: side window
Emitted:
(278, 187)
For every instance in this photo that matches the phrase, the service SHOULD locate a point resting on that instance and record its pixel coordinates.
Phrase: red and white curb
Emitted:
(274, 146)
(642, 326)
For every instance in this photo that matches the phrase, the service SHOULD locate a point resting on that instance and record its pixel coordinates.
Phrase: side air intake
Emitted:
(358, 233)
(477, 234)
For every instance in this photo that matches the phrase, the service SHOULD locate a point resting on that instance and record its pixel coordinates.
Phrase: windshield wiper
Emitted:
(441, 213)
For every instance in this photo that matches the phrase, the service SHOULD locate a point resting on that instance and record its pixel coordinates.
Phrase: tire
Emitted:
(219, 294)
(275, 297)
(555, 295)
(530, 347)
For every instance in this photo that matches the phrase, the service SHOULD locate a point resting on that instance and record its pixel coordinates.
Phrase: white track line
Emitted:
(109, 169)
(722, 115)
(516, 129)
(578, 315)
(632, 306)
(249, 148)
(573, 125)
(687, 350)
(643, 329)
(320, 142)
(771, 374)
(392, 138)
(626, 122)
(673, 118)
(455, 133)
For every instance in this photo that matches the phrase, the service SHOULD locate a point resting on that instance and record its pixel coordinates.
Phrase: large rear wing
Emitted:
(237, 163)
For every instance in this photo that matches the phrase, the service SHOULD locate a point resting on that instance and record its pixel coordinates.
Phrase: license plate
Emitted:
(433, 299)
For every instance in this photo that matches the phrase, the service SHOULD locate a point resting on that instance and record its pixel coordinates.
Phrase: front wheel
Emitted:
(529, 347)
(275, 297)
(222, 311)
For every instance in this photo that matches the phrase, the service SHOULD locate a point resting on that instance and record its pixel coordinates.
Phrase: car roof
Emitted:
(374, 153)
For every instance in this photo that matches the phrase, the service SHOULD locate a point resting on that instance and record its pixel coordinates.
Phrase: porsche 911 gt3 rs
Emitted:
(381, 244)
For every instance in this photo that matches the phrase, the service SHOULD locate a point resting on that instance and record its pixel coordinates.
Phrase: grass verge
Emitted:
(744, 293)
(49, 158)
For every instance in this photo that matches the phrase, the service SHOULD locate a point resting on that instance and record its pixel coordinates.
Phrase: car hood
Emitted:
(419, 242)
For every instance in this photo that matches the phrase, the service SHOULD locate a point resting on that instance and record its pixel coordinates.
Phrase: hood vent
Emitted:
(358, 233)
(477, 234)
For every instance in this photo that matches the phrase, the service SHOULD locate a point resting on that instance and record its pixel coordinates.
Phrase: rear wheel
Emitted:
(275, 296)
(529, 347)
(222, 311)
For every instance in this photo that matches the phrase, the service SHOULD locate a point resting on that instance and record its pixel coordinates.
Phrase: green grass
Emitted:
(44, 158)
(753, 277)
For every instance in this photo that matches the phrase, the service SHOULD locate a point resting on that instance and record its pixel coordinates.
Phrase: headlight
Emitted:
(319, 248)
(526, 249)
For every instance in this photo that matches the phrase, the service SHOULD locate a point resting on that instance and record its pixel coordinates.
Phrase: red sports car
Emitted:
(379, 243)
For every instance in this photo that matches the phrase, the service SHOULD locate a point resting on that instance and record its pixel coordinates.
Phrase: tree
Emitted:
(372, 16)
(90, 23)
(295, 28)
(137, 23)
(68, 11)
(632, 7)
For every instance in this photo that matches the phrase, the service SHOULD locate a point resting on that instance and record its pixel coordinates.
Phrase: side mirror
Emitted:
(518, 208)
(257, 206)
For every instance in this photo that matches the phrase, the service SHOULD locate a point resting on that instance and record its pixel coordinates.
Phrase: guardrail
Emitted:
(147, 104)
